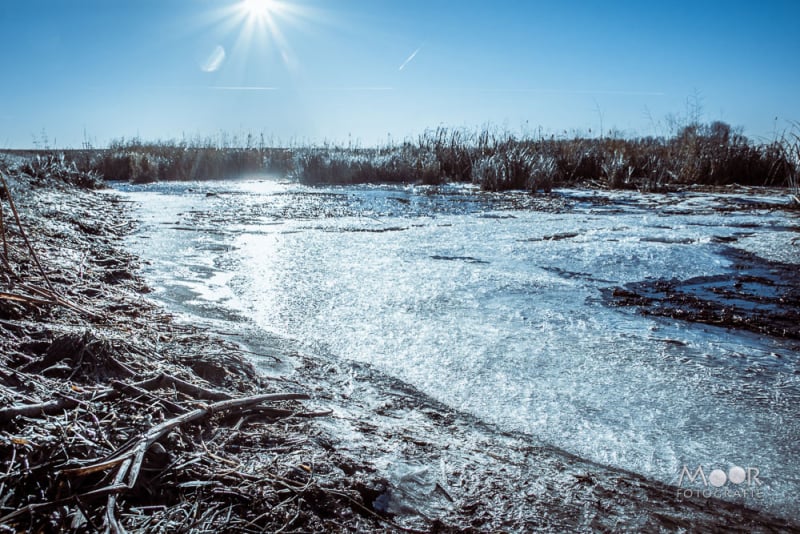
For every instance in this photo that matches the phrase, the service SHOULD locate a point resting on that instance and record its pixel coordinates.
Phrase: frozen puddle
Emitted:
(499, 313)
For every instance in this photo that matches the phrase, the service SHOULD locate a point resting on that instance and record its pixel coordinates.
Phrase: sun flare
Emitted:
(256, 33)
(259, 8)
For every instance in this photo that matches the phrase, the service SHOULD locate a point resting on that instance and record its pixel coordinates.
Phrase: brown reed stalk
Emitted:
(24, 234)
(5, 241)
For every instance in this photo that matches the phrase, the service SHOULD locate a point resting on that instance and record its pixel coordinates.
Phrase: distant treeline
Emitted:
(702, 154)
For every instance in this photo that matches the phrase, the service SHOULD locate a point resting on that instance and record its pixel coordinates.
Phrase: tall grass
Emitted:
(139, 162)
(698, 154)
(198, 159)
(710, 155)
(332, 165)
(794, 176)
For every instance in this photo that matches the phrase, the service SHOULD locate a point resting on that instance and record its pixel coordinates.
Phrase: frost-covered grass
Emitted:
(712, 154)
(349, 166)
(706, 154)
(794, 158)
(138, 162)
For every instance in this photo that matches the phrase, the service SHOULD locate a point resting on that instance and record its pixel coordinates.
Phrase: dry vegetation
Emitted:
(113, 417)
(793, 156)
(698, 154)
(711, 155)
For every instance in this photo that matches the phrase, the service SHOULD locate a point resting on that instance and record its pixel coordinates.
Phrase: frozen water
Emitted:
(498, 312)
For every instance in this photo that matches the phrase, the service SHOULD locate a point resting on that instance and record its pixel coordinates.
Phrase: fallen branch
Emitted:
(162, 380)
(111, 523)
(197, 392)
(129, 457)
(32, 410)
(16, 297)
(140, 446)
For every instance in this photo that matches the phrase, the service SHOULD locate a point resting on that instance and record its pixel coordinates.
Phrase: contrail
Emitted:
(561, 91)
(520, 90)
(618, 93)
(547, 91)
(243, 88)
(412, 56)
(353, 88)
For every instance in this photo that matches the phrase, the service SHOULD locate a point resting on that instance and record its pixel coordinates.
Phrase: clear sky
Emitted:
(364, 70)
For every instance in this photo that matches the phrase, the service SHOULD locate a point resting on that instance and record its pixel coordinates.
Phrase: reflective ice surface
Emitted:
(497, 311)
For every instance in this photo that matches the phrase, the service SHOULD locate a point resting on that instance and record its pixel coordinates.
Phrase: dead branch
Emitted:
(143, 443)
(25, 299)
(164, 380)
(111, 523)
(33, 410)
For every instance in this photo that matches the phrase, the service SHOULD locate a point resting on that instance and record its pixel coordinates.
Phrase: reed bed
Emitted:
(712, 154)
(137, 161)
(707, 155)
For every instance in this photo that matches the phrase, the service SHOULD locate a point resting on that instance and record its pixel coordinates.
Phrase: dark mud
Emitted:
(761, 296)
(116, 417)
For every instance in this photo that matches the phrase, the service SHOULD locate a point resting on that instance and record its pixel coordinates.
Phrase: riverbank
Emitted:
(115, 415)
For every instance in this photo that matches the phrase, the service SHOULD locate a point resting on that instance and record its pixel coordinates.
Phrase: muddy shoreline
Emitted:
(91, 370)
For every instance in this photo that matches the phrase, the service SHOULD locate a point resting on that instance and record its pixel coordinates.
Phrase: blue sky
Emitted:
(315, 70)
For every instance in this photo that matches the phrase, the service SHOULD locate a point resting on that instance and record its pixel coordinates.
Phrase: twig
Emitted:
(217, 457)
(59, 299)
(272, 356)
(292, 520)
(111, 518)
(29, 509)
(10, 468)
(30, 410)
(24, 234)
(278, 412)
(94, 468)
(55, 406)
(5, 242)
(370, 512)
(140, 447)
(131, 389)
(24, 298)
(197, 392)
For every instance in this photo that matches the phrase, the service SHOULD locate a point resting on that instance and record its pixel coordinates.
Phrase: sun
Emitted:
(257, 32)
(259, 8)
